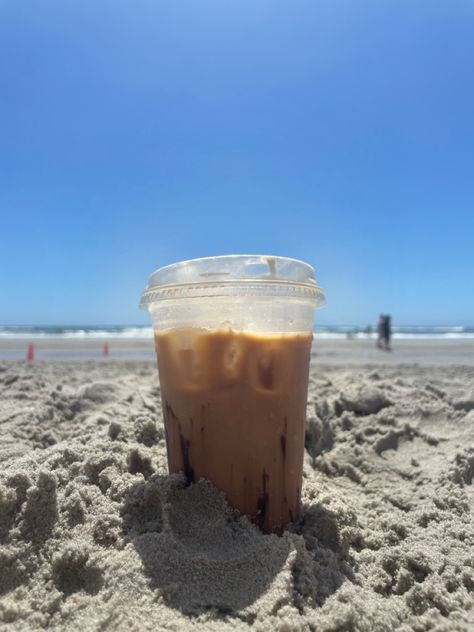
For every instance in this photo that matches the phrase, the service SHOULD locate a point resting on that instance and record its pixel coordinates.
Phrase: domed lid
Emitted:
(258, 275)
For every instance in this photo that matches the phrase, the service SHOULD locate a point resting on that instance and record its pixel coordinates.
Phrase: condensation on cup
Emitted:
(233, 340)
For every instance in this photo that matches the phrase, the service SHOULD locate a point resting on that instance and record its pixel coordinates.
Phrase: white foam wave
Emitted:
(343, 333)
(129, 332)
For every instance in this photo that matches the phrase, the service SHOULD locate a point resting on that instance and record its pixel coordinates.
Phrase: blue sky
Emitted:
(135, 134)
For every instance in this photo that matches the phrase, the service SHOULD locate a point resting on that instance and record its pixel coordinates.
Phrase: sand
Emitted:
(95, 536)
(353, 351)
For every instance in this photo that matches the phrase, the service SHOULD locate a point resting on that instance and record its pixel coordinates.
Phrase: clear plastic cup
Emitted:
(233, 340)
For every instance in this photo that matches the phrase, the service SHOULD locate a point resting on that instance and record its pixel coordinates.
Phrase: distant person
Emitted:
(368, 331)
(387, 331)
(381, 331)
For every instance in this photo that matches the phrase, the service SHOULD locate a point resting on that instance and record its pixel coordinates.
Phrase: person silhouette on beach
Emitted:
(380, 331)
(384, 332)
(387, 332)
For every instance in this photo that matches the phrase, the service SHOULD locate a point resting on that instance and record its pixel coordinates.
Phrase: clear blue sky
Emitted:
(135, 134)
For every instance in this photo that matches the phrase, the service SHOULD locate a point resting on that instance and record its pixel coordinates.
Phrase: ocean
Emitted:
(143, 332)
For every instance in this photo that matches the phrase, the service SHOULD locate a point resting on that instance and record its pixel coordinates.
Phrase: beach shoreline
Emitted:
(353, 351)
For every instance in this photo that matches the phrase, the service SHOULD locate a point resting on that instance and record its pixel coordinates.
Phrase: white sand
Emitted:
(95, 536)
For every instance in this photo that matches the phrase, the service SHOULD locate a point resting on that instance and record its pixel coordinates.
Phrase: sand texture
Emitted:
(95, 536)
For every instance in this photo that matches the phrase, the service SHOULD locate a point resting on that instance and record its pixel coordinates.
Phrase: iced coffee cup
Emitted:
(233, 340)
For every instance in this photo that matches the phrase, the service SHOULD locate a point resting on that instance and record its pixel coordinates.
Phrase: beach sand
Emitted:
(354, 351)
(95, 536)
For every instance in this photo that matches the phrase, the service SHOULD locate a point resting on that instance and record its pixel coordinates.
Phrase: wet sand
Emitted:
(343, 351)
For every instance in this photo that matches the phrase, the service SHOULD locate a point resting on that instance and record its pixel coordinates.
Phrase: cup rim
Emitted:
(227, 275)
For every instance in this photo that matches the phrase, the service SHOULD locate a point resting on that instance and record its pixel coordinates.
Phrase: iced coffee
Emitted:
(233, 339)
(234, 406)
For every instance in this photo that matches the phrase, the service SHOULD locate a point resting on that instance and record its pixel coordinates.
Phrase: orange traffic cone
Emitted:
(30, 356)
(105, 351)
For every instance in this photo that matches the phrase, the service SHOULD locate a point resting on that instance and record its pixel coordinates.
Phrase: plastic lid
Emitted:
(249, 275)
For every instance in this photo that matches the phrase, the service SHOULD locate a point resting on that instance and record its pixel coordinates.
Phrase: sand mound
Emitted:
(93, 533)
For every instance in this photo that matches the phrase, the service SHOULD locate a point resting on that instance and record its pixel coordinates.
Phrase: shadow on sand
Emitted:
(201, 555)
